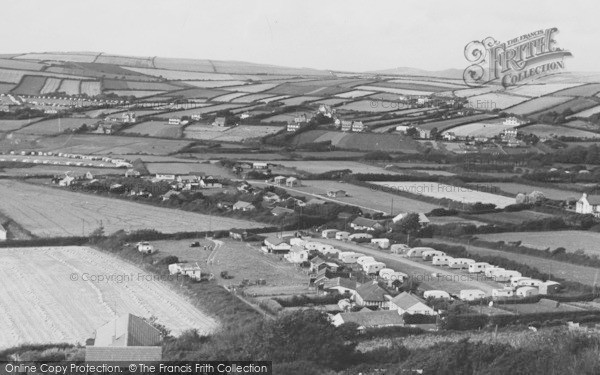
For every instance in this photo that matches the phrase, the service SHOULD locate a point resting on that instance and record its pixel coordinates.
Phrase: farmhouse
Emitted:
(2, 233)
(361, 223)
(407, 303)
(126, 338)
(371, 294)
(369, 319)
(243, 206)
(588, 205)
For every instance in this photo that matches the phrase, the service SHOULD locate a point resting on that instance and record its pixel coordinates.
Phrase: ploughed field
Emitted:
(57, 212)
(62, 294)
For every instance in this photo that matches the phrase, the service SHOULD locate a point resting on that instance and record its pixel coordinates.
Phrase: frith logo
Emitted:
(514, 62)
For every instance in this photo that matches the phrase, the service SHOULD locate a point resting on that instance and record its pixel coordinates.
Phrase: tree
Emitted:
(408, 224)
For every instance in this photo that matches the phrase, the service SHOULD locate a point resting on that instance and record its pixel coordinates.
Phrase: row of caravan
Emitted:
(369, 264)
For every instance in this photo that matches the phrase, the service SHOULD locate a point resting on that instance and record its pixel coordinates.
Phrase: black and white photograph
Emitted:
(336, 187)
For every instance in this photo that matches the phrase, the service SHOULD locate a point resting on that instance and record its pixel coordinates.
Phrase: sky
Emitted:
(346, 35)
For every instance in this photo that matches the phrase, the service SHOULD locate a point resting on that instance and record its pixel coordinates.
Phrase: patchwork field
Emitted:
(533, 90)
(9, 125)
(459, 194)
(56, 126)
(550, 193)
(586, 113)
(371, 106)
(446, 124)
(479, 129)
(50, 212)
(571, 240)
(334, 165)
(155, 129)
(494, 100)
(537, 105)
(210, 169)
(543, 130)
(358, 141)
(513, 217)
(39, 285)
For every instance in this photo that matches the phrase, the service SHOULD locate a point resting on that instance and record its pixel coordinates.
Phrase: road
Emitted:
(451, 281)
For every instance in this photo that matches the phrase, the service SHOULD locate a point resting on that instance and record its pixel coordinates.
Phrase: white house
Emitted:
(145, 247)
(2, 233)
(277, 245)
(471, 294)
(406, 303)
(297, 255)
(588, 205)
(361, 223)
(292, 181)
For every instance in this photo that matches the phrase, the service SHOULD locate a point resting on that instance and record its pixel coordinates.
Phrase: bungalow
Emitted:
(361, 223)
(297, 255)
(125, 338)
(279, 180)
(277, 245)
(371, 294)
(292, 181)
(2, 233)
(471, 294)
(336, 193)
(238, 234)
(369, 319)
(243, 206)
(588, 204)
(281, 211)
(407, 303)
(340, 285)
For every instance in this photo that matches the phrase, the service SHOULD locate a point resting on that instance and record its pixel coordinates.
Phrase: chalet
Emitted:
(2, 233)
(407, 303)
(279, 180)
(243, 206)
(126, 338)
(219, 122)
(277, 245)
(281, 211)
(340, 285)
(336, 193)
(471, 294)
(423, 220)
(369, 319)
(358, 126)
(238, 234)
(371, 294)
(292, 181)
(361, 223)
(588, 204)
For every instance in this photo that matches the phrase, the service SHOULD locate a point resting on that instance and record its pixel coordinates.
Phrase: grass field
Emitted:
(479, 129)
(50, 212)
(533, 90)
(550, 193)
(447, 124)
(30, 85)
(56, 126)
(494, 100)
(155, 129)
(51, 295)
(335, 165)
(586, 113)
(236, 134)
(575, 105)
(459, 194)
(362, 197)
(513, 217)
(585, 90)
(543, 130)
(371, 106)
(537, 105)
(9, 125)
(571, 240)
(361, 142)
(210, 169)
